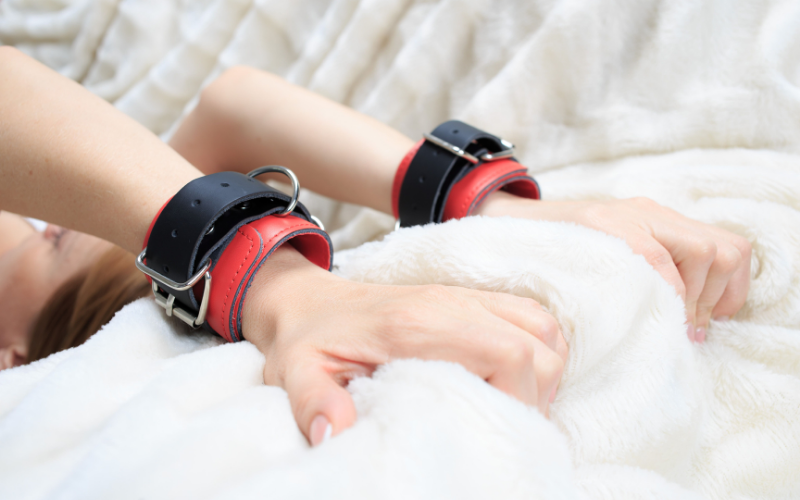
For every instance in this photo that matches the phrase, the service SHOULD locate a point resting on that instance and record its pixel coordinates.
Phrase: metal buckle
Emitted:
(167, 301)
(450, 148)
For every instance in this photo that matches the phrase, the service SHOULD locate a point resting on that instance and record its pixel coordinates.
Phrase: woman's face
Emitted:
(32, 266)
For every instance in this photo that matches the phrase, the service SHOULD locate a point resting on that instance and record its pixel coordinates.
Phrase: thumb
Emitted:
(321, 406)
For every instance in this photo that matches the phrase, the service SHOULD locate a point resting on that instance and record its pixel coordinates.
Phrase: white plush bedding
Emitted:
(693, 103)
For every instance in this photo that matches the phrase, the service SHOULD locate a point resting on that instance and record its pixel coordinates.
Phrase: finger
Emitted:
(495, 350)
(549, 367)
(515, 373)
(527, 314)
(693, 253)
(735, 293)
(486, 345)
(461, 330)
(321, 406)
(538, 376)
(659, 257)
(727, 261)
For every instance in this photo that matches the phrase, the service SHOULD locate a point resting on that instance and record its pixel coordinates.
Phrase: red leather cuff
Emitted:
(252, 245)
(207, 242)
(468, 193)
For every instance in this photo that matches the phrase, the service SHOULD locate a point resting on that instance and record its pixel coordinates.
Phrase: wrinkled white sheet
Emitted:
(692, 103)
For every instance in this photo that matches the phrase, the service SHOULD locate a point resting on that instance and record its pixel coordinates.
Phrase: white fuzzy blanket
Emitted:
(693, 103)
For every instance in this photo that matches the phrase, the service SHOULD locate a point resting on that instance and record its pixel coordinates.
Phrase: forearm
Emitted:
(249, 118)
(68, 157)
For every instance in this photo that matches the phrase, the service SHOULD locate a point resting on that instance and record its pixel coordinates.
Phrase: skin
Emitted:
(32, 266)
(67, 156)
(247, 117)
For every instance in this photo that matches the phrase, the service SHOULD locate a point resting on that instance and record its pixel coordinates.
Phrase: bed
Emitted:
(695, 104)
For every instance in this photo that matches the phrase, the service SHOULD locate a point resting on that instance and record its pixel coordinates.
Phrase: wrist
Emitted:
(285, 282)
(452, 171)
(501, 203)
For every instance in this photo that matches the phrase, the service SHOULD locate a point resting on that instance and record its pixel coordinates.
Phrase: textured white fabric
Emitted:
(692, 103)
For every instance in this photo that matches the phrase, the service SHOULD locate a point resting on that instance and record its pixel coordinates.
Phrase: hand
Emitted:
(708, 266)
(318, 331)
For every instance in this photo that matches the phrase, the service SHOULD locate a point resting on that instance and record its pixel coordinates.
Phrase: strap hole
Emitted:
(224, 184)
(455, 130)
(195, 203)
(166, 269)
(174, 233)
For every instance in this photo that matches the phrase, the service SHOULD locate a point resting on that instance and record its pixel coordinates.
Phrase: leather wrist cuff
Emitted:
(220, 229)
(451, 171)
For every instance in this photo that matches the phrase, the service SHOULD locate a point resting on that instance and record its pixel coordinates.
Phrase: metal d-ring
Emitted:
(288, 173)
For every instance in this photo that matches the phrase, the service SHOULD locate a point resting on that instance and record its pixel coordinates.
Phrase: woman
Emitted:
(68, 157)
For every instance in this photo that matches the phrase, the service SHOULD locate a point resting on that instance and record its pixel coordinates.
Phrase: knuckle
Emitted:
(550, 366)
(531, 303)
(728, 258)
(743, 245)
(657, 256)
(514, 352)
(705, 249)
(548, 327)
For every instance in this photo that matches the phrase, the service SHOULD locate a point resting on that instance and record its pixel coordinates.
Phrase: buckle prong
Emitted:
(167, 301)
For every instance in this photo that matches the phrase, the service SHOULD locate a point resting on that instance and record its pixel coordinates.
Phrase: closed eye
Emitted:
(54, 234)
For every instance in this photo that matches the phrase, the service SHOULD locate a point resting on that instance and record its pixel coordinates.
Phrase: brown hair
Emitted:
(82, 305)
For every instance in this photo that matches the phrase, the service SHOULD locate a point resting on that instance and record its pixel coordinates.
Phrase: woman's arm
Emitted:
(68, 157)
(248, 118)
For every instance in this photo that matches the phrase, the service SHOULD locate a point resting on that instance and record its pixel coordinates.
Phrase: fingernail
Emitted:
(690, 331)
(700, 334)
(722, 318)
(320, 431)
(328, 432)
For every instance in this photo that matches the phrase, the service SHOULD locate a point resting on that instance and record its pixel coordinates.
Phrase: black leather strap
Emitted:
(200, 220)
(433, 171)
